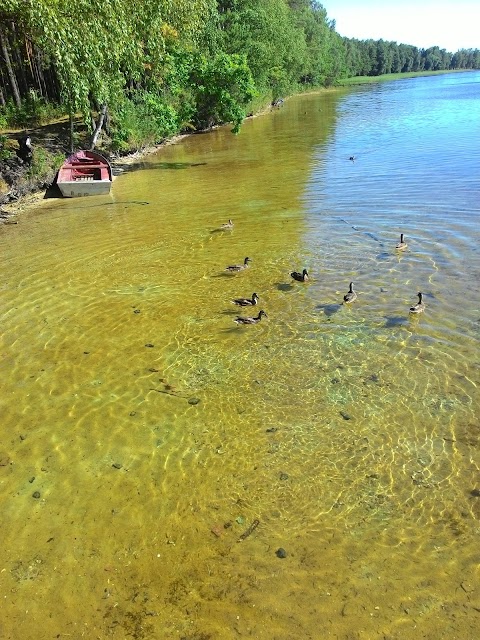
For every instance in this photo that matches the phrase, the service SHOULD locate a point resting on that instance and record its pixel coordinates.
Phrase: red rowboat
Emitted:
(84, 173)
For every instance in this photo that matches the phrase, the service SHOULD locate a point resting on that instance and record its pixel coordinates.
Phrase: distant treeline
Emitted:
(377, 57)
(158, 67)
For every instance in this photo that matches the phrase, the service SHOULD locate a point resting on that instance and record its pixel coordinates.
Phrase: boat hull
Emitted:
(84, 173)
(77, 188)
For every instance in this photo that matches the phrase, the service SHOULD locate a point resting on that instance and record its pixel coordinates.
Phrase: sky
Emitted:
(449, 24)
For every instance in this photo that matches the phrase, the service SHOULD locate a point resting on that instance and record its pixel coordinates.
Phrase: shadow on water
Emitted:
(396, 321)
(283, 286)
(226, 274)
(166, 166)
(369, 234)
(329, 309)
(373, 237)
(96, 205)
(231, 312)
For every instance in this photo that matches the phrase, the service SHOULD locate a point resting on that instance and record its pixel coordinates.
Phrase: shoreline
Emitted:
(10, 210)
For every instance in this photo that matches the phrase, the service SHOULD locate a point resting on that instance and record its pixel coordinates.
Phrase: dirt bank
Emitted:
(18, 191)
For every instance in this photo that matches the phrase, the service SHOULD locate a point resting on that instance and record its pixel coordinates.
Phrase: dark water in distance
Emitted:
(157, 432)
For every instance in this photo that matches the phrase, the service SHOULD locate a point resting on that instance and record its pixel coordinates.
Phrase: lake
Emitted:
(167, 473)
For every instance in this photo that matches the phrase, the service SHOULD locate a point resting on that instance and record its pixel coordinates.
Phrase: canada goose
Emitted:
(238, 267)
(253, 320)
(402, 244)
(350, 296)
(420, 306)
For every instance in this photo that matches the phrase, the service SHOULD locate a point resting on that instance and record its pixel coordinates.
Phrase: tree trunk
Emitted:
(71, 131)
(35, 69)
(99, 126)
(11, 74)
(18, 55)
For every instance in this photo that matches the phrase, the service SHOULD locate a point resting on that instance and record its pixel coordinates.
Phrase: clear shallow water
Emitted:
(350, 433)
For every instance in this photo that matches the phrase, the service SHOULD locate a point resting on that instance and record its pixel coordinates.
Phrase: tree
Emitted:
(265, 32)
(9, 67)
(223, 88)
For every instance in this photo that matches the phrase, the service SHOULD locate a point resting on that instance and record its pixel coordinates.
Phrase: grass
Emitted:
(393, 76)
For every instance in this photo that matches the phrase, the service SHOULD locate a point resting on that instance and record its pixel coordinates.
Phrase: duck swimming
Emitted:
(300, 277)
(420, 306)
(238, 267)
(254, 320)
(246, 302)
(228, 225)
(350, 296)
(402, 244)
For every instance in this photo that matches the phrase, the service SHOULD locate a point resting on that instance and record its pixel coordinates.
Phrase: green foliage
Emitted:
(5, 152)
(34, 111)
(142, 120)
(89, 42)
(265, 32)
(175, 84)
(44, 164)
(223, 88)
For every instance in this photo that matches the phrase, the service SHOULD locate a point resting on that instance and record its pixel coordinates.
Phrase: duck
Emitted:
(402, 244)
(238, 267)
(300, 277)
(351, 296)
(254, 320)
(352, 158)
(228, 225)
(420, 306)
(246, 302)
